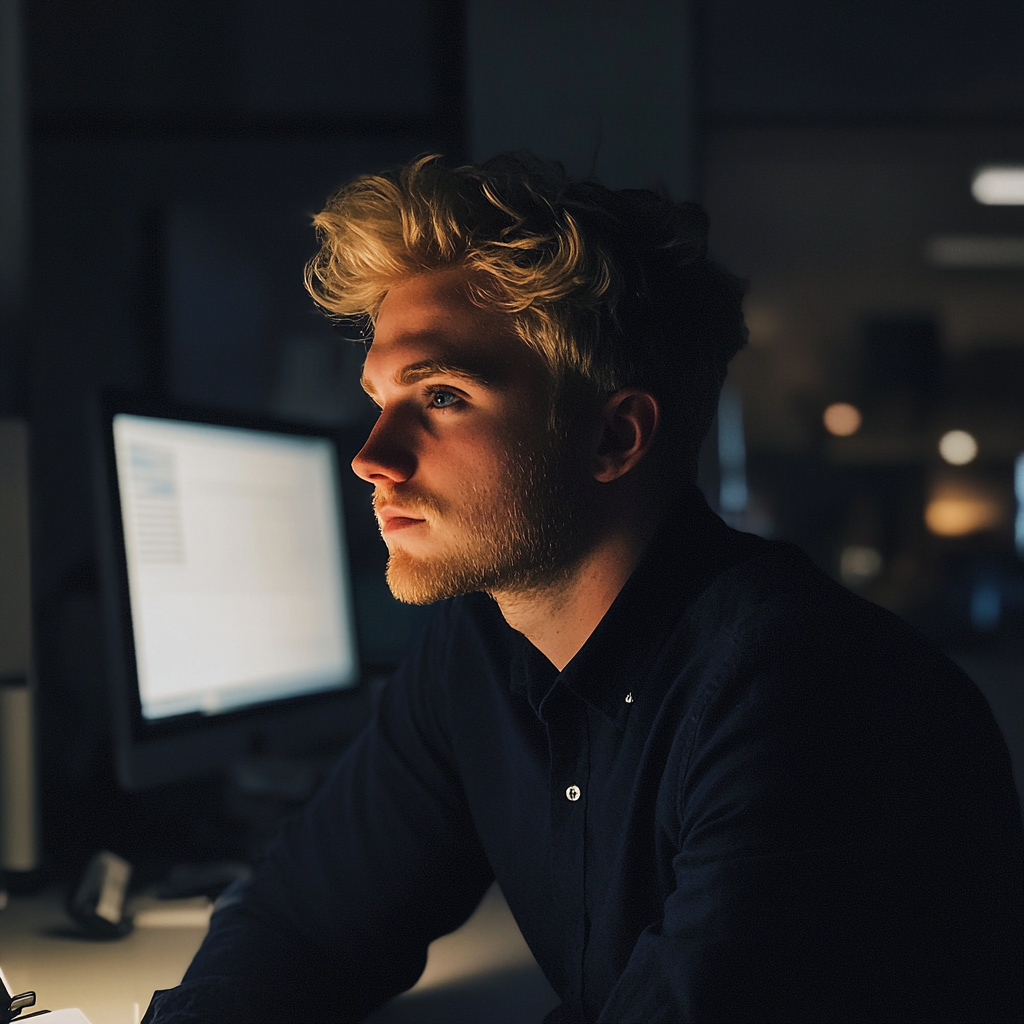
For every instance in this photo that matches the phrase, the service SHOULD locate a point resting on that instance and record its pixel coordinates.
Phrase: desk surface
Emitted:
(112, 982)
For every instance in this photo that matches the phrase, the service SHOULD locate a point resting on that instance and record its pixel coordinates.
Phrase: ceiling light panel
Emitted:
(999, 186)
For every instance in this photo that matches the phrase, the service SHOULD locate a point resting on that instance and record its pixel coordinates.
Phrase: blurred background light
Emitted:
(986, 605)
(962, 509)
(1018, 489)
(977, 252)
(859, 564)
(999, 186)
(842, 419)
(732, 455)
(958, 447)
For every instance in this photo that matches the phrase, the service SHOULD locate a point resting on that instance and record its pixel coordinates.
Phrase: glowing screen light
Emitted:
(236, 571)
(842, 419)
(958, 447)
(999, 186)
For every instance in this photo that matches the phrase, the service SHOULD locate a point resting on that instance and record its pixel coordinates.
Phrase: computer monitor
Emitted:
(228, 600)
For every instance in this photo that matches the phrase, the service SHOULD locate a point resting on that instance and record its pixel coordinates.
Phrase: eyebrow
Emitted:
(430, 368)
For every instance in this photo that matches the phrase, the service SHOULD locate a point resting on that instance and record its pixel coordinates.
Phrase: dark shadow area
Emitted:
(510, 997)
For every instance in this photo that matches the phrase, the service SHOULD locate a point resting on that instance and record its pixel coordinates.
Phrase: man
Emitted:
(712, 784)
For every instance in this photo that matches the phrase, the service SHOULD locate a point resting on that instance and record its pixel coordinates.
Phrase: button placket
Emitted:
(568, 743)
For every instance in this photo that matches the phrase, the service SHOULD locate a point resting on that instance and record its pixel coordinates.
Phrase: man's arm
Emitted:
(835, 864)
(339, 914)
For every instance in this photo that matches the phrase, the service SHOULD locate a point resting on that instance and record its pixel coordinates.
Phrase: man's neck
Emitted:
(559, 619)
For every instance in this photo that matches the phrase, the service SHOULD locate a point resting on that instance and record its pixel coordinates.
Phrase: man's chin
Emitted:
(424, 581)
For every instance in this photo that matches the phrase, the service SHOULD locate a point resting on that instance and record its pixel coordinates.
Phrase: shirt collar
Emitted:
(691, 548)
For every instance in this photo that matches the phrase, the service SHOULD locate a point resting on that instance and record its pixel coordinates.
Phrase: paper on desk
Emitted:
(71, 1016)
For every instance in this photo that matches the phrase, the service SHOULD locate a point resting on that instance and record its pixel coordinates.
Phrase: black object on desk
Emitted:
(11, 1006)
(98, 901)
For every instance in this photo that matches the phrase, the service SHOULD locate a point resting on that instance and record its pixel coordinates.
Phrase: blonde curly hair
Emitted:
(611, 287)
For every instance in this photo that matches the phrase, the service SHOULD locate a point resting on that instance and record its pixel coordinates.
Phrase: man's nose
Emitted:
(387, 456)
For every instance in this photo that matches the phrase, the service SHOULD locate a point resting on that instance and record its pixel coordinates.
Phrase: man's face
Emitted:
(474, 490)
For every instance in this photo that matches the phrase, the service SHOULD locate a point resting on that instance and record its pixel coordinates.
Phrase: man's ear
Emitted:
(628, 424)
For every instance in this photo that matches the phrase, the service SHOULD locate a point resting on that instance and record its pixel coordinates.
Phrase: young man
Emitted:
(712, 784)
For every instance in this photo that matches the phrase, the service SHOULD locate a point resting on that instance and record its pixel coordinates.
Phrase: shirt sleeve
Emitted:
(817, 875)
(338, 916)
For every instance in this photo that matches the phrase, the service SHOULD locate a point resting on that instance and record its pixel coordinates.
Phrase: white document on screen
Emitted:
(236, 566)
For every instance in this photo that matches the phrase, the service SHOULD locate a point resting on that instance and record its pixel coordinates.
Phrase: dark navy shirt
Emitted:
(750, 796)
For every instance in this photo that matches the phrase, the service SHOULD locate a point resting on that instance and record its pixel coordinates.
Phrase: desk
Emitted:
(39, 951)
(481, 974)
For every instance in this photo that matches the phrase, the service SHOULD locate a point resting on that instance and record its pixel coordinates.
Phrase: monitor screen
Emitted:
(236, 571)
(227, 589)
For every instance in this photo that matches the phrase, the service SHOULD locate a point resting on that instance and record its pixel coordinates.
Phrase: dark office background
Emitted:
(161, 161)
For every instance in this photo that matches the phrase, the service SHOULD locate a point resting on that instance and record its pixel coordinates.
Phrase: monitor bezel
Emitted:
(142, 744)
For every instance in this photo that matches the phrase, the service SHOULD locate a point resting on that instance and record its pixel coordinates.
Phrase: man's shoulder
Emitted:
(786, 636)
(777, 617)
(778, 591)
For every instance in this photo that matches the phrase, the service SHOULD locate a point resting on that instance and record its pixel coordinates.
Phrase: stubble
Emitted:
(527, 531)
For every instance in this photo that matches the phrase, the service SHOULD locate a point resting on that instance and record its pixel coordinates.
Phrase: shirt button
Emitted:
(573, 793)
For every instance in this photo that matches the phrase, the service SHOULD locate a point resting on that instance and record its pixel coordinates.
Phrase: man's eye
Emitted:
(443, 399)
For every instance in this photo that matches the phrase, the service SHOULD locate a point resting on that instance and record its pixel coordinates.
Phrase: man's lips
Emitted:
(393, 519)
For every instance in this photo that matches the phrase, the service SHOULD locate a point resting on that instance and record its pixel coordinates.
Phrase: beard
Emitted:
(526, 531)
